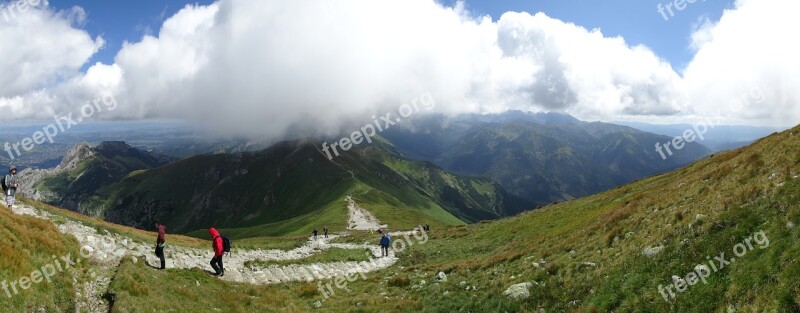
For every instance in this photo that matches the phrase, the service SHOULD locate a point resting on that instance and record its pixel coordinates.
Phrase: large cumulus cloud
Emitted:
(262, 67)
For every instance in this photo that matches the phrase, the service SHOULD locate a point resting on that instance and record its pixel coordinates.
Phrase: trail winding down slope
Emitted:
(105, 251)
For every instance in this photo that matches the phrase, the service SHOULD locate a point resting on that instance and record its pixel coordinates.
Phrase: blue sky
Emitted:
(118, 21)
(639, 22)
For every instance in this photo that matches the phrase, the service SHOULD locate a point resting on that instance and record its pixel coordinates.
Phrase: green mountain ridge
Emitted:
(80, 183)
(607, 252)
(292, 187)
(543, 157)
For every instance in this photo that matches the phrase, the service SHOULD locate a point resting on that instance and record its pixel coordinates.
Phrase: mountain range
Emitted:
(436, 170)
(541, 157)
(732, 217)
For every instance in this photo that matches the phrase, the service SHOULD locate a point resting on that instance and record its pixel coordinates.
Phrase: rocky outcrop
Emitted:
(29, 177)
(83, 171)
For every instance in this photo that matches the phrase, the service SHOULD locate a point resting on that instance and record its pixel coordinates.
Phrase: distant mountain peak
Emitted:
(75, 155)
(541, 117)
(113, 145)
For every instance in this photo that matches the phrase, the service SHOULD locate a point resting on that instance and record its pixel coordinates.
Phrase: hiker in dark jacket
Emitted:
(216, 244)
(161, 243)
(11, 186)
(315, 233)
(325, 230)
(385, 241)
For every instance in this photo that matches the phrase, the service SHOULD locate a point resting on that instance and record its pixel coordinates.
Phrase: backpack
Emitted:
(226, 244)
(5, 188)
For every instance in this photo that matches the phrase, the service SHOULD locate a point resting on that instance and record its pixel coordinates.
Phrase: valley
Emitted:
(415, 156)
(578, 254)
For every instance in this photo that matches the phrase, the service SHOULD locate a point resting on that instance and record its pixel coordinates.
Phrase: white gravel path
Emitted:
(108, 249)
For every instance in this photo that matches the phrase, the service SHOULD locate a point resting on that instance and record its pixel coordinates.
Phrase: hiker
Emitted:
(427, 228)
(385, 241)
(10, 186)
(325, 230)
(315, 233)
(161, 243)
(216, 262)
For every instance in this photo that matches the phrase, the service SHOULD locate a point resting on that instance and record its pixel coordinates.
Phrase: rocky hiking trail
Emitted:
(106, 251)
(359, 218)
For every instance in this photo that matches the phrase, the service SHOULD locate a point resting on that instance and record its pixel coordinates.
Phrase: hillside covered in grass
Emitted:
(607, 252)
(291, 188)
(28, 245)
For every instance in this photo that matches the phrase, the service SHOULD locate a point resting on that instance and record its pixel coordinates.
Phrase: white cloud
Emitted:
(262, 67)
(39, 48)
(746, 66)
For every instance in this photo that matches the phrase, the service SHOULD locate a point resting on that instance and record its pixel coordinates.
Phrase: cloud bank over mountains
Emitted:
(261, 67)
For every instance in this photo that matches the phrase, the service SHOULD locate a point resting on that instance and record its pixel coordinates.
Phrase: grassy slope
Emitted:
(28, 244)
(470, 198)
(731, 190)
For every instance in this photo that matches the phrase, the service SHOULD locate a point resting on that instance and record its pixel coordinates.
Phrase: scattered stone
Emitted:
(652, 251)
(441, 276)
(773, 175)
(587, 264)
(789, 224)
(628, 234)
(462, 283)
(699, 217)
(518, 291)
(317, 305)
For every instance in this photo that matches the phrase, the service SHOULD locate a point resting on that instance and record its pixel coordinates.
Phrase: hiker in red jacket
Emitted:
(160, 243)
(216, 262)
